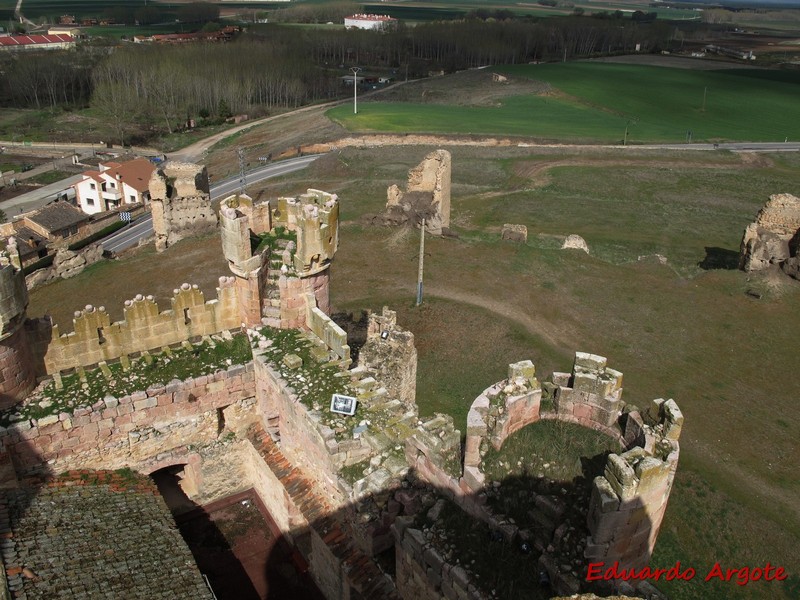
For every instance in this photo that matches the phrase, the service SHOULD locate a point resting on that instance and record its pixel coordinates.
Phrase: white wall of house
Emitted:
(95, 196)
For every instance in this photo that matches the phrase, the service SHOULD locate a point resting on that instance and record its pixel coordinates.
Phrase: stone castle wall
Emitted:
(628, 501)
(423, 574)
(144, 327)
(135, 430)
(326, 330)
(17, 373)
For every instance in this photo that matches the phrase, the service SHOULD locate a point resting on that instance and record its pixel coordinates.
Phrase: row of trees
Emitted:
(158, 88)
(162, 87)
(468, 44)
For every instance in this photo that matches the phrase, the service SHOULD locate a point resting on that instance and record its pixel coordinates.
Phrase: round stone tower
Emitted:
(17, 376)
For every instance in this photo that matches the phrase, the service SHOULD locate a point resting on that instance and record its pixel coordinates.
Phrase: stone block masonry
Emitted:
(17, 372)
(133, 431)
(144, 327)
(628, 501)
(339, 567)
(423, 574)
(427, 195)
(180, 203)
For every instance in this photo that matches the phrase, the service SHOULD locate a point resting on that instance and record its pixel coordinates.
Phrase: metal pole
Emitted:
(421, 262)
(355, 71)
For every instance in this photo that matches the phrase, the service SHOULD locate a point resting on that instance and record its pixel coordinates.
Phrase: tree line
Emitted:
(160, 87)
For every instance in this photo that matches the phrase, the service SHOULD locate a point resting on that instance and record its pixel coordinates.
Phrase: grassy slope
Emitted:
(596, 101)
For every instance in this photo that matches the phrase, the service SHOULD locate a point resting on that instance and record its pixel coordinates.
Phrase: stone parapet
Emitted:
(144, 327)
(134, 430)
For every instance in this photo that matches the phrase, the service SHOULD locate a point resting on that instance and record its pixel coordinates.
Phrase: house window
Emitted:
(133, 198)
(93, 186)
(90, 202)
(113, 185)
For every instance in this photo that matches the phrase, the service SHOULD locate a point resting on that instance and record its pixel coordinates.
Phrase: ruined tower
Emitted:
(17, 376)
(279, 251)
(180, 202)
(427, 195)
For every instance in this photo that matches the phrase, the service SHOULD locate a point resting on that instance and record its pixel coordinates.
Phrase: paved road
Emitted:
(143, 227)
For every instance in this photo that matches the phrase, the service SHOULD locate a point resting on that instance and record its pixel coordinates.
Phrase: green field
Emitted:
(457, 9)
(595, 102)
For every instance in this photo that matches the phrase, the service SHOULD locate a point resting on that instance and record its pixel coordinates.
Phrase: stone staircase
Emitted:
(272, 308)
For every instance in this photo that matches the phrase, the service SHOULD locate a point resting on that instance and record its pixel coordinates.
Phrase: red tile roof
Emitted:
(33, 40)
(135, 173)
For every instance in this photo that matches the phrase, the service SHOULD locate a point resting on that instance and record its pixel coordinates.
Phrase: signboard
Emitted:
(125, 216)
(343, 405)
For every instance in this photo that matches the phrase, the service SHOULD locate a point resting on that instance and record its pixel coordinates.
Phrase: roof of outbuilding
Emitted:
(32, 40)
(58, 215)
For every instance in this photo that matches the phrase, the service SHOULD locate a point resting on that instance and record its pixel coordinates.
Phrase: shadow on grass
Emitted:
(719, 259)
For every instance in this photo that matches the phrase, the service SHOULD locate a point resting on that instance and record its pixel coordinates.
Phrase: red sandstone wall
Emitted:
(131, 430)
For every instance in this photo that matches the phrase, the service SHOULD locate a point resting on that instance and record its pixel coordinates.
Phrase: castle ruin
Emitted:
(180, 202)
(343, 486)
(773, 239)
(427, 195)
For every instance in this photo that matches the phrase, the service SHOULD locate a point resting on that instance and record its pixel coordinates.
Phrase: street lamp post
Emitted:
(355, 71)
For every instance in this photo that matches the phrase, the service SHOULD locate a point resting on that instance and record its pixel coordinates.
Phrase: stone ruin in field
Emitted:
(180, 201)
(347, 489)
(427, 195)
(773, 240)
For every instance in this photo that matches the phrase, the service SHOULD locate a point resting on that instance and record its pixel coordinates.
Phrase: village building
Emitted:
(37, 42)
(114, 185)
(368, 21)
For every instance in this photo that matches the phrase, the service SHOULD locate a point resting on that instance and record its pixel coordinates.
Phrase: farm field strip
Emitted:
(597, 102)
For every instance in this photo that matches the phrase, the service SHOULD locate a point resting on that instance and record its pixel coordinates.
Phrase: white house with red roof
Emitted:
(37, 42)
(114, 185)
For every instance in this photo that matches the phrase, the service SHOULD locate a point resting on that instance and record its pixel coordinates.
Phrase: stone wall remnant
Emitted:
(144, 327)
(391, 353)
(66, 263)
(427, 195)
(181, 203)
(772, 238)
(514, 233)
(17, 374)
(576, 242)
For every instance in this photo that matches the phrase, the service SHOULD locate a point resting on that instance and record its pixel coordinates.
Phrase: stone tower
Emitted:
(17, 376)
(279, 251)
(180, 202)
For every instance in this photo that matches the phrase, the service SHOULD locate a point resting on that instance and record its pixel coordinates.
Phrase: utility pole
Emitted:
(421, 262)
(355, 71)
(242, 173)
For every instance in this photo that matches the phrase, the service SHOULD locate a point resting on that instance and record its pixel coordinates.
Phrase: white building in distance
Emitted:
(113, 185)
(364, 21)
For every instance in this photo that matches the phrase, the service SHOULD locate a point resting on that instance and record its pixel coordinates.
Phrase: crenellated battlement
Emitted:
(144, 327)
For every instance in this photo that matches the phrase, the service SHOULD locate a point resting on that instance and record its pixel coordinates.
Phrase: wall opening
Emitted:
(186, 318)
(221, 420)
